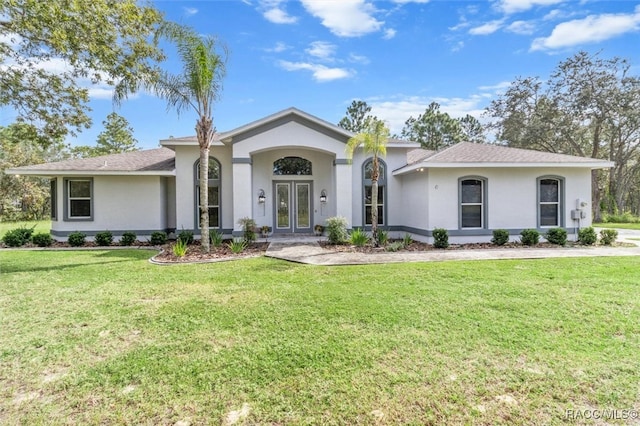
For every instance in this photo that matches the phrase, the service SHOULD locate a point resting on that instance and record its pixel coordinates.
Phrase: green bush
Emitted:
(625, 217)
(557, 236)
(383, 237)
(216, 238)
(358, 237)
(158, 238)
(440, 238)
(395, 246)
(42, 239)
(76, 239)
(18, 237)
(128, 238)
(407, 240)
(180, 248)
(104, 238)
(248, 228)
(237, 245)
(500, 237)
(529, 237)
(186, 237)
(336, 230)
(587, 236)
(608, 236)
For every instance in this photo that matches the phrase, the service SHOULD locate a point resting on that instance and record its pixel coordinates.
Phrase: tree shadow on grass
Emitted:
(107, 257)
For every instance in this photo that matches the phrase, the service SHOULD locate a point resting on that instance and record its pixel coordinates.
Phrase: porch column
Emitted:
(242, 200)
(344, 190)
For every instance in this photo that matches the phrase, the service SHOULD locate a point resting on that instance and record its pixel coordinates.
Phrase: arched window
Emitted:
(367, 171)
(473, 194)
(292, 166)
(550, 201)
(214, 193)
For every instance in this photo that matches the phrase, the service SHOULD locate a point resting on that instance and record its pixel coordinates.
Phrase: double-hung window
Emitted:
(472, 203)
(549, 202)
(79, 199)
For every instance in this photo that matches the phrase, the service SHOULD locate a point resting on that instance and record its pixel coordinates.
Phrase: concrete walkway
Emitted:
(307, 250)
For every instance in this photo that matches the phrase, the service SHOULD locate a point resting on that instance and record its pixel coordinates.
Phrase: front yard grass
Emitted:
(617, 225)
(104, 337)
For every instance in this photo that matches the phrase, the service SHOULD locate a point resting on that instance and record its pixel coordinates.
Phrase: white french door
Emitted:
(292, 207)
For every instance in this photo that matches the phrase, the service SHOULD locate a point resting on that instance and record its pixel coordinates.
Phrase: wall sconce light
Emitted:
(261, 197)
(323, 196)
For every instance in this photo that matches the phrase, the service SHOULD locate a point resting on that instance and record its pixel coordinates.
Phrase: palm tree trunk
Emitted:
(204, 131)
(374, 201)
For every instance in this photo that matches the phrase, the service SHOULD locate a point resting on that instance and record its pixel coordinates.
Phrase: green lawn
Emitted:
(104, 337)
(40, 226)
(618, 225)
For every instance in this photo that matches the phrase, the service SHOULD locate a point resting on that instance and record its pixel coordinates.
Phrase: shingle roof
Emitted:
(146, 161)
(467, 152)
(419, 154)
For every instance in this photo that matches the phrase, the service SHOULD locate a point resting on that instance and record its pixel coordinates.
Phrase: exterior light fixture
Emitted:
(261, 197)
(323, 196)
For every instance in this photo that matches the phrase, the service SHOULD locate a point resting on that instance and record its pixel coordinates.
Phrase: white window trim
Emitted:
(68, 199)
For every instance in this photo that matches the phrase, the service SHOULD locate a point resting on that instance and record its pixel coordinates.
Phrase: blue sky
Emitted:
(398, 56)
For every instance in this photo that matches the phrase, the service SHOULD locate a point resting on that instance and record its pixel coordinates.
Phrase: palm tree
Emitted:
(373, 141)
(195, 88)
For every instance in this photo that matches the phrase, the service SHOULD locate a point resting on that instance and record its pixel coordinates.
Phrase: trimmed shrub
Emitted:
(104, 238)
(128, 238)
(358, 237)
(18, 237)
(248, 228)
(587, 236)
(500, 237)
(556, 236)
(440, 238)
(337, 230)
(186, 237)
(529, 237)
(158, 238)
(608, 236)
(42, 239)
(76, 239)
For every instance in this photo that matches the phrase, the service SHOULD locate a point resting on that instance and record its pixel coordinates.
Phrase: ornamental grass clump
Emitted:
(358, 238)
(608, 236)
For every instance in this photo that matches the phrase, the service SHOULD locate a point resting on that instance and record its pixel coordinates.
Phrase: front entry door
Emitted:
(292, 207)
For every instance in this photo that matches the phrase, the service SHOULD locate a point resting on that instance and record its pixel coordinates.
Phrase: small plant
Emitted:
(42, 239)
(158, 238)
(180, 248)
(500, 237)
(395, 246)
(264, 230)
(557, 236)
(383, 237)
(248, 228)
(318, 229)
(529, 237)
(237, 245)
(104, 238)
(76, 239)
(358, 237)
(608, 236)
(440, 238)
(337, 230)
(18, 237)
(407, 240)
(587, 236)
(128, 238)
(186, 236)
(216, 238)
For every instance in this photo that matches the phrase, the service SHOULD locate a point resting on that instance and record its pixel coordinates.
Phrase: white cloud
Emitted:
(591, 29)
(458, 46)
(521, 27)
(320, 73)
(345, 18)
(279, 16)
(515, 6)
(486, 29)
(389, 33)
(189, 11)
(279, 47)
(410, 1)
(322, 50)
(358, 59)
(495, 88)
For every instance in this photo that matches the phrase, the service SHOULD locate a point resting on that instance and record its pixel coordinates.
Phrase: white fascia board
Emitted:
(415, 167)
(87, 173)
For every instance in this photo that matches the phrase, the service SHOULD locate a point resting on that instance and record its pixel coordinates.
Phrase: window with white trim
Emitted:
(382, 190)
(213, 191)
(472, 203)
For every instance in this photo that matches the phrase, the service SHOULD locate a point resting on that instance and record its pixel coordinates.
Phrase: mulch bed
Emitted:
(195, 254)
(419, 246)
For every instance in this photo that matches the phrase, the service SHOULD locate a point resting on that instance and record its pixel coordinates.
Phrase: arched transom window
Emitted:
(292, 166)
